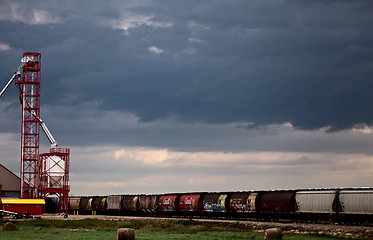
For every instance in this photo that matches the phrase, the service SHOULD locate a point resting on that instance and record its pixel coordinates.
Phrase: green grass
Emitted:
(31, 233)
(92, 229)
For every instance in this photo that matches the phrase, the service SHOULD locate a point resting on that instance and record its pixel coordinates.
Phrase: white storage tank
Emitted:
(55, 166)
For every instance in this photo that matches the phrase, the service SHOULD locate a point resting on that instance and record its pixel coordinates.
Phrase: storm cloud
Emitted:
(308, 63)
(203, 76)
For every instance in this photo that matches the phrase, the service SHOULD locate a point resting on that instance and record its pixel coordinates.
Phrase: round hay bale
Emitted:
(10, 227)
(125, 234)
(273, 233)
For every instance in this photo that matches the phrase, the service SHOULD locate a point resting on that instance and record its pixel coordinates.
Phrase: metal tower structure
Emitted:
(28, 83)
(45, 174)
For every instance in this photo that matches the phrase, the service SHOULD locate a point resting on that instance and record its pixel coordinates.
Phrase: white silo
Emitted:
(55, 166)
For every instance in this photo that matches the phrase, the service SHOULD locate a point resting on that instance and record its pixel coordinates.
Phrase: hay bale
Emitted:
(125, 234)
(10, 227)
(273, 233)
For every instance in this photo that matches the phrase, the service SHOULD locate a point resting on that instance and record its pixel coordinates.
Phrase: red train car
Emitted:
(190, 203)
(168, 203)
(274, 205)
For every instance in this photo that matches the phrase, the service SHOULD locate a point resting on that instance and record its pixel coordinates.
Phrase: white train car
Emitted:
(356, 206)
(316, 205)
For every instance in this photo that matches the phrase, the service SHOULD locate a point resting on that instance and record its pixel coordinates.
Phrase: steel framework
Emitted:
(28, 83)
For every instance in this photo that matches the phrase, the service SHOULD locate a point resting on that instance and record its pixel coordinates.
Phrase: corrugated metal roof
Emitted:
(22, 201)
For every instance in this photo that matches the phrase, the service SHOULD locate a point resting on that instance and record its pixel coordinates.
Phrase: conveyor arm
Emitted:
(44, 127)
(18, 73)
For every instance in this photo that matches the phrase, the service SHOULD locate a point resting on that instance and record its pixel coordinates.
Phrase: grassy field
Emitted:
(145, 230)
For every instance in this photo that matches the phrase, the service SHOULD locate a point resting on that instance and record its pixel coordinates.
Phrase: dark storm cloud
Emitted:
(307, 63)
(169, 95)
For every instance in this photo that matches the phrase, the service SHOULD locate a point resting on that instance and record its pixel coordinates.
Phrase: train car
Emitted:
(114, 204)
(148, 204)
(275, 205)
(130, 204)
(190, 204)
(86, 205)
(356, 206)
(74, 205)
(168, 205)
(316, 205)
(99, 205)
(215, 204)
(242, 205)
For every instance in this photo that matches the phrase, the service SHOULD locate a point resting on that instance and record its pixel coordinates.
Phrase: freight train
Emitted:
(347, 205)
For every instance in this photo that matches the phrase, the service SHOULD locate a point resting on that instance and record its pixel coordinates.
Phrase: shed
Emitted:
(33, 206)
(10, 186)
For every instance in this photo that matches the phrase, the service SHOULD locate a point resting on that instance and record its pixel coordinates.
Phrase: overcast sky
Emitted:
(180, 96)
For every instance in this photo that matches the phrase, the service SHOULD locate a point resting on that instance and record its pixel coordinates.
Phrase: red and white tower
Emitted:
(45, 174)
(28, 83)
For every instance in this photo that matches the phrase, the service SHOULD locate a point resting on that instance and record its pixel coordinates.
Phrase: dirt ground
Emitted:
(341, 231)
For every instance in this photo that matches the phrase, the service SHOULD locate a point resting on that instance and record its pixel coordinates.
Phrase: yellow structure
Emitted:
(22, 201)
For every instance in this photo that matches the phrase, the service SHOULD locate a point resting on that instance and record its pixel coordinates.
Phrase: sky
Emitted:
(184, 96)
